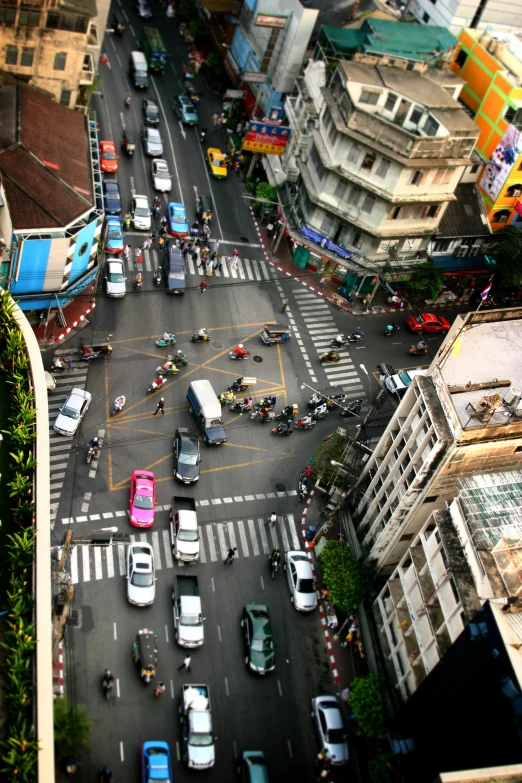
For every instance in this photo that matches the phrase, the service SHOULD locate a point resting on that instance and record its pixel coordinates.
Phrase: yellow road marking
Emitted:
(190, 331)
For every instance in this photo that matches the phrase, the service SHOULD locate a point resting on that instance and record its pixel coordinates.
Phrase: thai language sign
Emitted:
(266, 139)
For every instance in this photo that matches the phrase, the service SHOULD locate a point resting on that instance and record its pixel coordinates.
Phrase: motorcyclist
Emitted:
(288, 411)
(263, 413)
(275, 557)
(203, 333)
(203, 132)
(245, 405)
(157, 382)
(166, 336)
(127, 221)
(178, 357)
(167, 366)
(393, 327)
(330, 355)
(105, 775)
(421, 346)
(357, 330)
(240, 351)
(128, 99)
(138, 280)
(340, 339)
(94, 445)
(108, 679)
(230, 396)
(195, 229)
(59, 362)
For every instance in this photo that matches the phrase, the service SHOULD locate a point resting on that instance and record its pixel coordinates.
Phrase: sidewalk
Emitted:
(52, 335)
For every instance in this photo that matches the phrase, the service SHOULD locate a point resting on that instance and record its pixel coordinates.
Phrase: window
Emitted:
(431, 499)
(502, 216)
(353, 196)
(65, 97)
(7, 15)
(391, 100)
(368, 161)
(369, 97)
(340, 190)
(476, 167)
(442, 245)
(515, 191)
(70, 22)
(29, 18)
(60, 59)
(416, 178)
(518, 450)
(357, 239)
(461, 58)
(509, 114)
(368, 203)
(329, 127)
(353, 154)
(431, 126)
(394, 213)
(327, 224)
(27, 56)
(11, 55)
(416, 115)
(431, 212)
(425, 18)
(383, 167)
(442, 176)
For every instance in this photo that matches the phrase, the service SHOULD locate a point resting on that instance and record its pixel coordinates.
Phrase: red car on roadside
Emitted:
(428, 322)
(108, 157)
(142, 498)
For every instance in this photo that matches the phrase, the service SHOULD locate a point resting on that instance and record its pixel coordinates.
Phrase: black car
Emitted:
(111, 195)
(150, 112)
(186, 456)
(174, 270)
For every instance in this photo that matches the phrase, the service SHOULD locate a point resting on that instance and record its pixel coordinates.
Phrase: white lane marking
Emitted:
(98, 571)
(264, 270)
(122, 754)
(109, 561)
(243, 538)
(211, 543)
(171, 146)
(167, 548)
(240, 270)
(282, 528)
(74, 565)
(156, 550)
(221, 538)
(248, 268)
(253, 537)
(202, 554)
(86, 564)
(296, 543)
(262, 533)
(121, 559)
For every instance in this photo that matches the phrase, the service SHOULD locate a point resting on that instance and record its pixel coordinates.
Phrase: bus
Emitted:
(154, 49)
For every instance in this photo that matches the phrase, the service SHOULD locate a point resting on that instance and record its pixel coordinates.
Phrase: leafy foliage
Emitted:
(72, 728)
(507, 252)
(427, 278)
(348, 581)
(365, 702)
(327, 451)
(379, 770)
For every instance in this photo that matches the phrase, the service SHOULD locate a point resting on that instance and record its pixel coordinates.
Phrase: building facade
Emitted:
(456, 14)
(54, 45)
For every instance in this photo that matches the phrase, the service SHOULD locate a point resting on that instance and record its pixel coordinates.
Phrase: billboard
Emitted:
(266, 139)
(263, 20)
(502, 161)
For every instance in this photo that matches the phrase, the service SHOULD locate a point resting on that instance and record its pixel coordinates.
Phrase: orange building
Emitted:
(491, 67)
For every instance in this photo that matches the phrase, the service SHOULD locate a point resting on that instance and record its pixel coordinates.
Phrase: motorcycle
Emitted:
(60, 365)
(336, 344)
(155, 385)
(128, 101)
(302, 489)
(320, 413)
(305, 423)
(329, 356)
(180, 358)
(266, 402)
(196, 338)
(105, 775)
(283, 429)
(315, 400)
(138, 285)
(157, 277)
(238, 385)
(260, 415)
(161, 343)
(92, 451)
(353, 409)
(234, 355)
(290, 412)
(418, 352)
(274, 566)
(391, 329)
(106, 686)
(119, 402)
(241, 406)
(170, 369)
(95, 352)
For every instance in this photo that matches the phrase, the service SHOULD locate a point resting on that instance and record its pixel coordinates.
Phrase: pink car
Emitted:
(142, 498)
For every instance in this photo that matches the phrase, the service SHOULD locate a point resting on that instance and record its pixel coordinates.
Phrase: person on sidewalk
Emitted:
(270, 230)
(321, 283)
(185, 665)
(160, 688)
(230, 557)
(202, 287)
(160, 407)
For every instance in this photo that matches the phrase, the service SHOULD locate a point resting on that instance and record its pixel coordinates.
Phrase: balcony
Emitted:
(93, 39)
(87, 73)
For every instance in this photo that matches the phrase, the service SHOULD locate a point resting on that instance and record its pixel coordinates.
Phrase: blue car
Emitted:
(178, 221)
(155, 762)
(111, 195)
(185, 110)
(113, 235)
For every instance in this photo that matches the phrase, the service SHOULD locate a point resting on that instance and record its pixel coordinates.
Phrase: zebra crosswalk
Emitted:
(252, 536)
(321, 327)
(242, 269)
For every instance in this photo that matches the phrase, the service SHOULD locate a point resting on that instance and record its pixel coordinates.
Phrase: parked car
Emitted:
(151, 141)
(113, 235)
(140, 213)
(257, 638)
(142, 498)
(178, 220)
(329, 724)
(186, 456)
(161, 178)
(252, 767)
(150, 112)
(108, 157)
(303, 593)
(428, 322)
(185, 110)
(141, 574)
(216, 163)
(156, 765)
(111, 196)
(72, 412)
(115, 278)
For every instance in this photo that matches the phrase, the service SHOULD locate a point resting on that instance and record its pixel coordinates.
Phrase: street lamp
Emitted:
(365, 371)
(342, 468)
(305, 385)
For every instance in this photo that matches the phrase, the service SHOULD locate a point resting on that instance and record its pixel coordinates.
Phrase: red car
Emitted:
(142, 498)
(427, 322)
(108, 157)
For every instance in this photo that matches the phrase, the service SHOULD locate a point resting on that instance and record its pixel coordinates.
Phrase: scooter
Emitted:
(58, 366)
(274, 566)
(353, 409)
(92, 451)
(355, 336)
(416, 352)
(197, 338)
(302, 489)
(320, 412)
(261, 416)
(266, 402)
(106, 687)
(119, 402)
(241, 406)
(157, 277)
(238, 385)
(338, 345)
(161, 343)
(329, 356)
(234, 355)
(171, 369)
(155, 385)
(391, 329)
(288, 413)
(180, 358)
(305, 423)
(315, 400)
(138, 285)
(283, 429)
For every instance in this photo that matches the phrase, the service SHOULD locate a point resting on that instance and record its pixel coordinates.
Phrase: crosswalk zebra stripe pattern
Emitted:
(253, 537)
(244, 269)
(322, 329)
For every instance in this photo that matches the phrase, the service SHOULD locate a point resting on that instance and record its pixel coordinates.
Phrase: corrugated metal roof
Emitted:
(465, 217)
(492, 505)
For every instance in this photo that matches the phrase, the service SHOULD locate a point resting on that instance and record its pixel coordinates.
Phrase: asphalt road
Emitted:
(241, 482)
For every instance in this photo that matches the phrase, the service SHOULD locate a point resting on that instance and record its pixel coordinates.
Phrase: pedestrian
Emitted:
(215, 262)
(139, 256)
(270, 230)
(128, 252)
(152, 240)
(202, 286)
(220, 263)
(215, 246)
(230, 557)
(321, 283)
(285, 305)
(160, 407)
(185, 664)
(235, 254)
(160, 688)
(209, 267)
(239, 128)
(272, 520)
(215, 118)
(146, 244)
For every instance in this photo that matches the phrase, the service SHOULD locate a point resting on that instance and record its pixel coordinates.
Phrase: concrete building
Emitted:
(463, 420)
(54, 45)
(499, 15)
(270, 40)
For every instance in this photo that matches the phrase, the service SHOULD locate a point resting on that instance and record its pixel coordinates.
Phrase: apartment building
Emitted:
(463, 419)
(54, 45)
(501, 15)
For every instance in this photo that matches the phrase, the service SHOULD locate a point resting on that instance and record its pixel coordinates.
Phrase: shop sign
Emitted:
(264, 20)
(325, 242)
(266, 139)
(255, 76)
(234, 94)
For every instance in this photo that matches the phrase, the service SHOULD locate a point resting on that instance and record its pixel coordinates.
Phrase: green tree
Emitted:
(365, 702)
(507, 252)
(379, 770)
(72, 728)
(427, 278)
(348, 581)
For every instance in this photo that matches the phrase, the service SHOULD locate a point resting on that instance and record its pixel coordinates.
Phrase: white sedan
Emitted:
(141, 574)
(140, 213)
(300, 581)
(161, 178)
(72, 412)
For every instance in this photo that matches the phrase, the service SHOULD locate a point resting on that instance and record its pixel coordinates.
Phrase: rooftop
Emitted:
(465, 217)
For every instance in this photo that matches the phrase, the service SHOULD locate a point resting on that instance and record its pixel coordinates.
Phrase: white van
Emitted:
(139, 70)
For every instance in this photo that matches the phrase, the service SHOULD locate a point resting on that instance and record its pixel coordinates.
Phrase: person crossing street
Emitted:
(160, 407)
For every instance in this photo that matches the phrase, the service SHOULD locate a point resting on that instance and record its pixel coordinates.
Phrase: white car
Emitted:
(303, 593)
(140, 213)
(72, 412)
(161, 178)
(329, 724)
(141, 574)
(115, 279)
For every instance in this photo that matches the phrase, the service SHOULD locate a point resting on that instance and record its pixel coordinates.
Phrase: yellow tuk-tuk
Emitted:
(276, 334)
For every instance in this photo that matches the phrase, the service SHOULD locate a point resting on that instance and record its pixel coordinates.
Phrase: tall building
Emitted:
(502, 15)
(491, 65)
(54, 45)
(462, 420)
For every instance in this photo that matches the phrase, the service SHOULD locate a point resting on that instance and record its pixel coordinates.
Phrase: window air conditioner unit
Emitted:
(462, 251)
(516, 193)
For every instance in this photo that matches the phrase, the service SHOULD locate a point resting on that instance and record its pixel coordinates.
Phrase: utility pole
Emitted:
(65, 597)
(279, 236)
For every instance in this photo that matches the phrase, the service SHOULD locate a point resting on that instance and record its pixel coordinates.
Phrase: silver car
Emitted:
(161, 178)
(141, 574)
(329, 724)
(72, 412)
(115, 279)
(151, 140)
(140, 213)
(300, 581)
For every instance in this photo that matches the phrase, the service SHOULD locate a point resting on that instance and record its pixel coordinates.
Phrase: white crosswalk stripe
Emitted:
(321, 327)
(255, 538)
(247, 268)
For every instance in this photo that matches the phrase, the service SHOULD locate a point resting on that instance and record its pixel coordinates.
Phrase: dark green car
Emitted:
(257, 636)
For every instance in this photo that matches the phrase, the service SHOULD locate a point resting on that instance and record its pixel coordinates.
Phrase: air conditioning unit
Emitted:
(516, 193)
(462, 251)
(512, 396)
(304, 157)
(293, 175)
